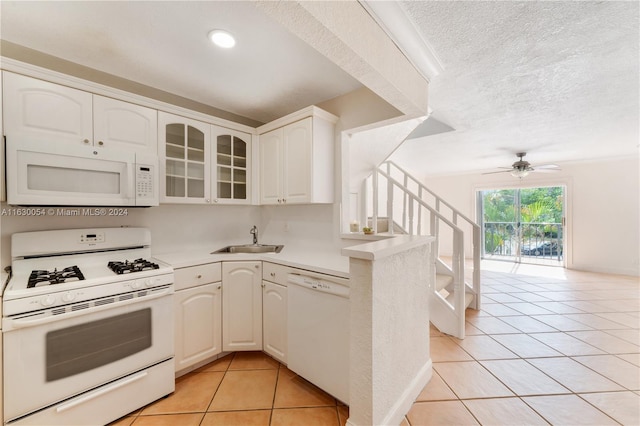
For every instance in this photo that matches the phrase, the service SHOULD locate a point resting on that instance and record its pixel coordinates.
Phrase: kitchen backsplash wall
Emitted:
(300, 225)
(181, 227)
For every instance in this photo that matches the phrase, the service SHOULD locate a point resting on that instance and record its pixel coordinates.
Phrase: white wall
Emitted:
(184, 227)
(603, 213)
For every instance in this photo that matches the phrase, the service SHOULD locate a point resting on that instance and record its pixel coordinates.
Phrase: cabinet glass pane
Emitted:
(195, 188)
(175, 186)
(239, 191)
(224, 144)
(195, 138)
(224, 160)
(175, 151)
(195, 171)
(224, 174)
(240, 162)
(239, 147)
(239, 176)
(175, 134)
(195, 154)
(224, 190)
(175, 168)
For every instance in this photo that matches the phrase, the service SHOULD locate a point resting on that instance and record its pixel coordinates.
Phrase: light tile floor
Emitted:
(549, 346)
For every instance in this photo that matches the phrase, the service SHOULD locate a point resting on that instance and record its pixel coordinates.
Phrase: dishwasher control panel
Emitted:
(319, 284)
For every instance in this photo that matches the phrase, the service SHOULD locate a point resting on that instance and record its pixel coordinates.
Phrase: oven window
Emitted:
(83, 347)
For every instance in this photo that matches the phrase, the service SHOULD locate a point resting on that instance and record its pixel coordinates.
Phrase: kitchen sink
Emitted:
(250, 248)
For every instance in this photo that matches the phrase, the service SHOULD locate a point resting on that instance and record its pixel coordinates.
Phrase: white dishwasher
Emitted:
(318, 331)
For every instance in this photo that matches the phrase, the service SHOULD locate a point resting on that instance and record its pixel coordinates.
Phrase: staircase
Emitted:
(411, 208)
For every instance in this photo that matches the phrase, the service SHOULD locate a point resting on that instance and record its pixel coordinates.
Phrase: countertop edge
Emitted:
(383, 248)
(336, 267)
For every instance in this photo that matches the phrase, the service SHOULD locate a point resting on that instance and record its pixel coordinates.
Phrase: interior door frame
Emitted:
(565, 182)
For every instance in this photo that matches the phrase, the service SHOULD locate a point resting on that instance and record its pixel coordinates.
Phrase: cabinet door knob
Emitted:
(263, 286)
(256, 266)
(199, 276)
(279, 200)
(86, 141)
(219, 286)
(284, 200)
(100, 143)
(273, 274)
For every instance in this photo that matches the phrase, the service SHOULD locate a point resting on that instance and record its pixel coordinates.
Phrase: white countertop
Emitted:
(322, 260)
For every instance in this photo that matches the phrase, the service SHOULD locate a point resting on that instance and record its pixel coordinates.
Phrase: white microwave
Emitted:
(50, 174)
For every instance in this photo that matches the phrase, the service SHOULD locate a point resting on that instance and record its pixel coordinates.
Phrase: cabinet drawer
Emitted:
(275, 273)
(194, 276)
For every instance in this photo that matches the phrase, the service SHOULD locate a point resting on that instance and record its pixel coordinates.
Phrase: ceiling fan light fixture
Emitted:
(222, 38)
(519, 173)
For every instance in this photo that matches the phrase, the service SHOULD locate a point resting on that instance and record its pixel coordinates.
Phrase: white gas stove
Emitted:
(56, 268)
(94, 310)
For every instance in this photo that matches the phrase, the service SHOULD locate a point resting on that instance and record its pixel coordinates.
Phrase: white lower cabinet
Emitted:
(274, 320)
(198, 314)
(241, 306)
(198, 317)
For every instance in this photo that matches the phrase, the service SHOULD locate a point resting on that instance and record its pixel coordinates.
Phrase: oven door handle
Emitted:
(9, 324)
(109, 388)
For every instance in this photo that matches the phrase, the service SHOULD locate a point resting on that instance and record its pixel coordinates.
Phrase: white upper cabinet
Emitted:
(3, 191)
(271, 167)
(123, 125)
(48, 112)
(297, 157)
(185, 160)
(297, 164)
(39, 110)
(232, 160)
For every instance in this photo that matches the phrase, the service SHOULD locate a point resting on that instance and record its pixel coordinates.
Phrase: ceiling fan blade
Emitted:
(538, 170)
(546, 166)
(501, 171)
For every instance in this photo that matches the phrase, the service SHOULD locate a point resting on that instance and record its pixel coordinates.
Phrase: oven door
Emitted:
(48, 174)
(48, 358)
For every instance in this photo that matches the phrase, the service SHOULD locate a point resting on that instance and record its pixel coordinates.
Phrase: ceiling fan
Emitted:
(522, 168)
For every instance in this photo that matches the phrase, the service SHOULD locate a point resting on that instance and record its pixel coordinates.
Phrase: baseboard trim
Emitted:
(402, 406)
(408, 397)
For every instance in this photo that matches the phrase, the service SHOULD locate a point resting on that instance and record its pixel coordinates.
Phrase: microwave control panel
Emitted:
(144, 182)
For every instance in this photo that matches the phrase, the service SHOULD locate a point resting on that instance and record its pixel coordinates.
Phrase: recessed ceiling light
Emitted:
(222, 39)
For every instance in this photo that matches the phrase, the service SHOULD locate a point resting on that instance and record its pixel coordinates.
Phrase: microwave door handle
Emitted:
(131, 187)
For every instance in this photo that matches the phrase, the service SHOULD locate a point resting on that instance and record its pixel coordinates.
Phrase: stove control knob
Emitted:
(147, 282)
(48, 300)
(68, 297)
(135, 284)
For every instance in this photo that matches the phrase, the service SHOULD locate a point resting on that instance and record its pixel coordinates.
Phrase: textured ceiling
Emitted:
(163, 44)
(558, 80)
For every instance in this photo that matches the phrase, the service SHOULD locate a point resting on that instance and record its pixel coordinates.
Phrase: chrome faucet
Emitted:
(254, 232)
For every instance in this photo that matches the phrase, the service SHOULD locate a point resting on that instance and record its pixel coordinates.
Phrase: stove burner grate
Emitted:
(127, 267)
(54, 277)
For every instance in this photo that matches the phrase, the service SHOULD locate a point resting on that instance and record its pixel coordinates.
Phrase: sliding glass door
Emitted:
(523, 225)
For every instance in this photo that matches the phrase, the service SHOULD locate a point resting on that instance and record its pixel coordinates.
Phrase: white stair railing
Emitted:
(416, 210)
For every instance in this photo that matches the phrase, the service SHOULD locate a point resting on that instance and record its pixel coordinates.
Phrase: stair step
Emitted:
(383, 225)
(468, 298)
(443, 281)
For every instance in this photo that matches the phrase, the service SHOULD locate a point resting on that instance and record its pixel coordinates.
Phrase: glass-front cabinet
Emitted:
(203, 163)
(184, 151)
(233, 166)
